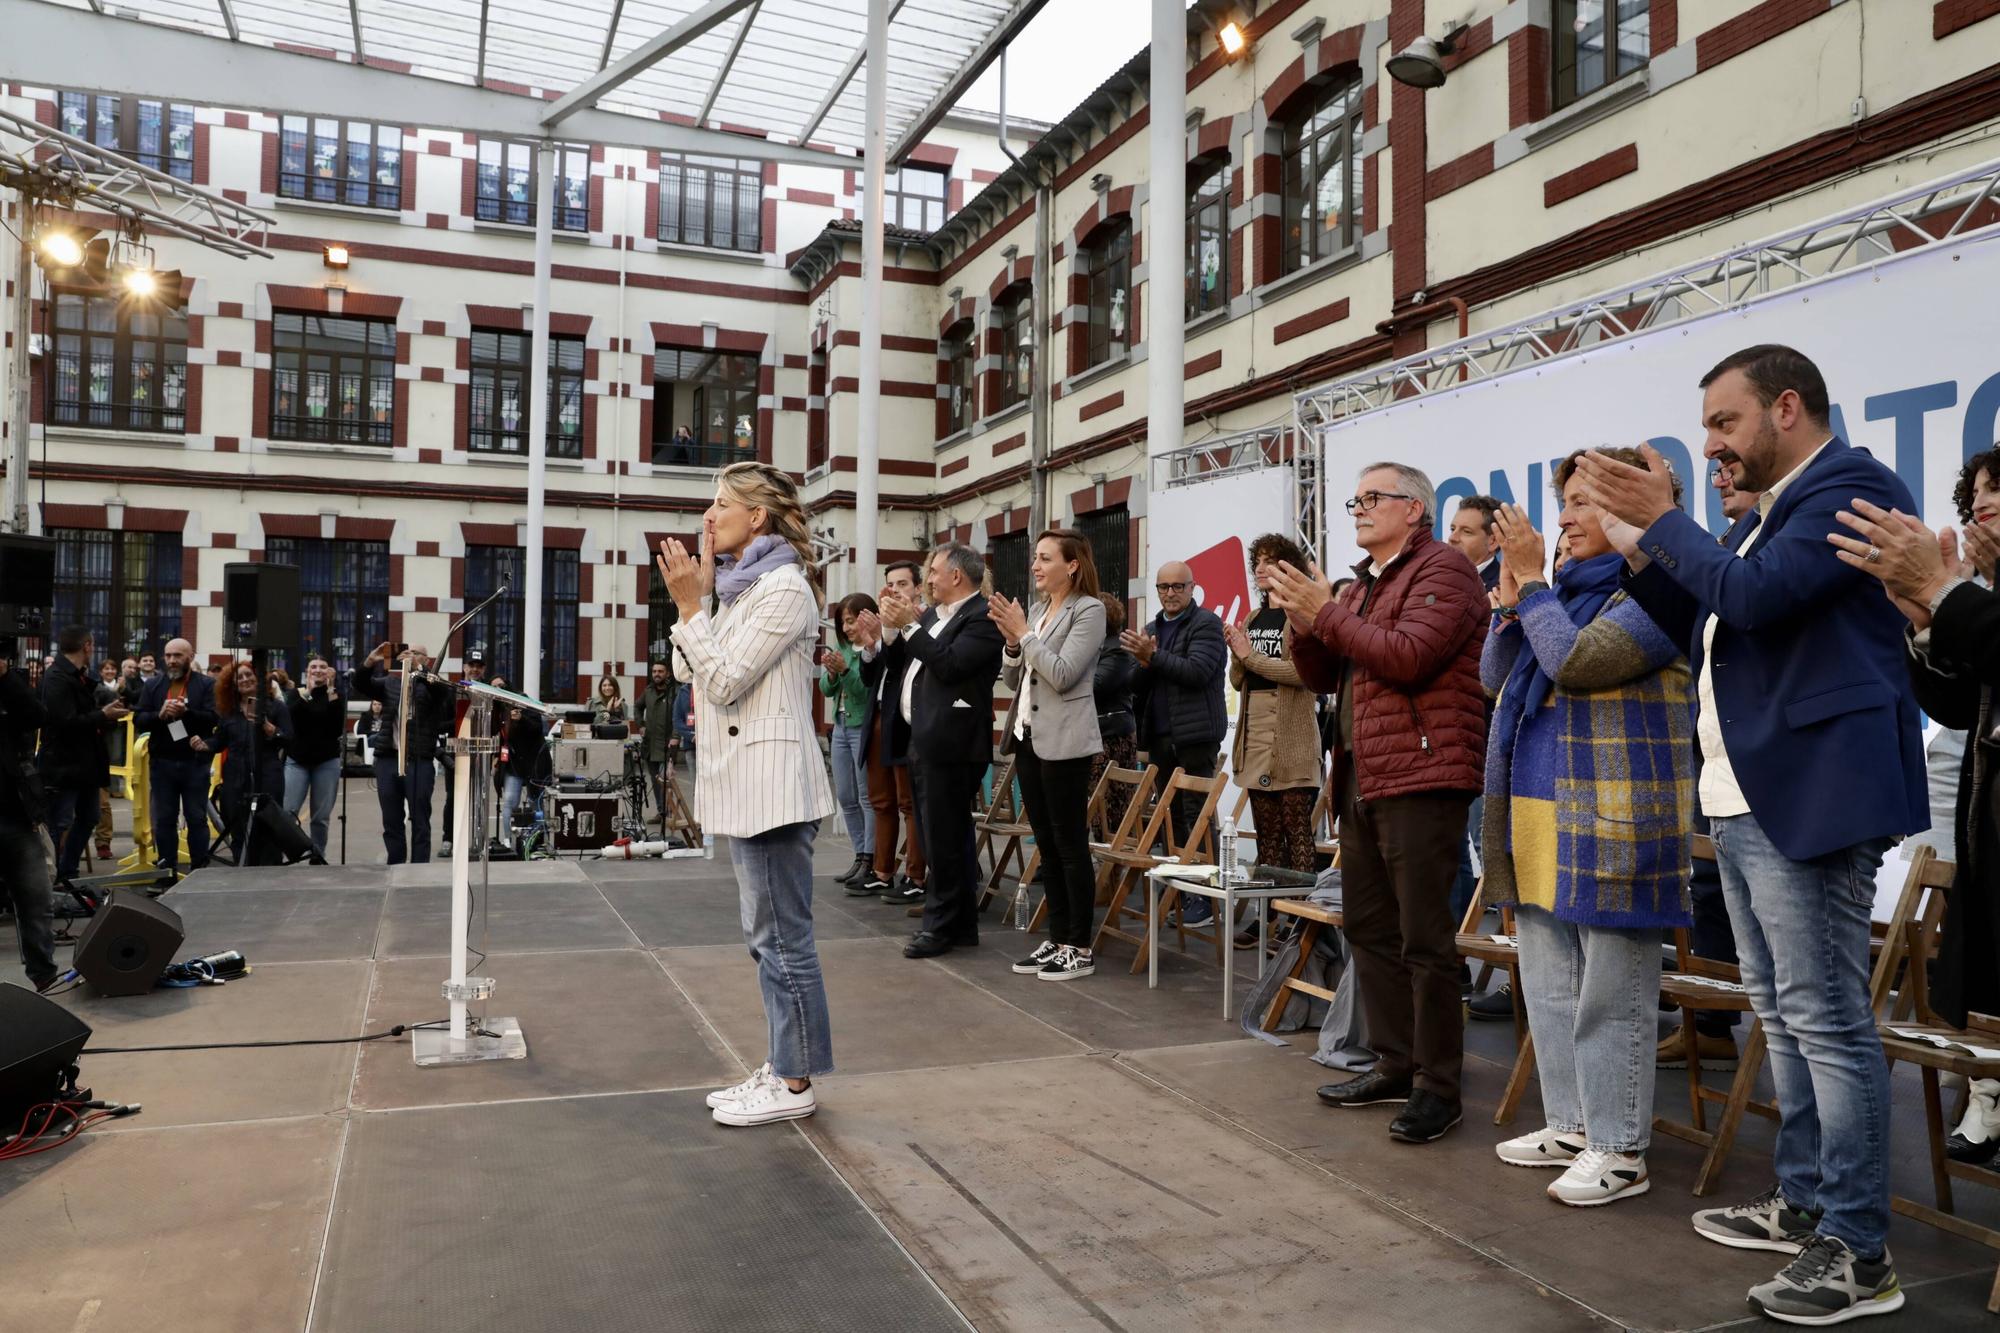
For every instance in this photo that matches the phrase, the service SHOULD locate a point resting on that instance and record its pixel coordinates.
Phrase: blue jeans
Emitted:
(1802, 937)
(1592, 994)
(850, 787)
(391, 793)
(180, 790)
(510, 796)
(774, 878)
(322, 780)
(72, 819)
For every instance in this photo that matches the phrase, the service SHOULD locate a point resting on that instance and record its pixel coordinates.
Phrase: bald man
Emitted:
(177, 713)
(1183, 662)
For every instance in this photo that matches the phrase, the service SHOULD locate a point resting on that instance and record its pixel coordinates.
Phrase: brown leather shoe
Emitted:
(1717, 1053)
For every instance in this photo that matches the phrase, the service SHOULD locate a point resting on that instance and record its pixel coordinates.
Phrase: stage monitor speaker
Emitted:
(128, 944)
(260, 606)
(277, 838)
(39, 1039)
(27, 582)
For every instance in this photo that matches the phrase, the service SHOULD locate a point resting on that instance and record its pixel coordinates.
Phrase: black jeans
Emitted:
(1057, 794)
(24, 878)
(72, 820)
(391, 792)
(944, 794)
(1197, 761)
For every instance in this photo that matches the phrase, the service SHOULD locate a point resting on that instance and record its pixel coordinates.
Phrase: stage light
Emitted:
(142, 283)
(336, 256)
(61, 249)
(1232, 39)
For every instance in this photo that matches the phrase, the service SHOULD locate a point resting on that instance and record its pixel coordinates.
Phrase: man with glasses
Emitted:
(1401, 648)
(1177, 692)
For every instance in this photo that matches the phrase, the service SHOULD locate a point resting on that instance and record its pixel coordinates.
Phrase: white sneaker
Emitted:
(740, 1090)
(1544, 1147)
(1597, 1177)
(770, 1100)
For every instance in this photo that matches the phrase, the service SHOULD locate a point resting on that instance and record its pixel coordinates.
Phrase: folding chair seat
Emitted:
(1127, 867)
(1137, 785)
(1312, 919)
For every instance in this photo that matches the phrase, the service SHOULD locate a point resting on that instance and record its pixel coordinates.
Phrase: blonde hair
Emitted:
(761, 486)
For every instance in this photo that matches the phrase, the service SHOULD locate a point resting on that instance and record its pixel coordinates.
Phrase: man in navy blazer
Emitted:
(1812, 764)
(177, 715)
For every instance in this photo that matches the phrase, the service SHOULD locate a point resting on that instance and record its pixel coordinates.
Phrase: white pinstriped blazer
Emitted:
(757, 759)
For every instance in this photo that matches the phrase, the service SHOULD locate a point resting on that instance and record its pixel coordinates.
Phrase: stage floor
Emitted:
(994, 1150)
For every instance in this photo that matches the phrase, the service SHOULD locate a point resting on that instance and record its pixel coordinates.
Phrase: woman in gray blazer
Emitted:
(1051, 664)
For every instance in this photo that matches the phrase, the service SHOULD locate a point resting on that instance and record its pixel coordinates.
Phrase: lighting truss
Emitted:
(59, 168)
(1252, 451)
(1942, 211)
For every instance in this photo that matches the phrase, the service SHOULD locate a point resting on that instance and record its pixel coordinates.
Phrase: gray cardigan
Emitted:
(1064, 660)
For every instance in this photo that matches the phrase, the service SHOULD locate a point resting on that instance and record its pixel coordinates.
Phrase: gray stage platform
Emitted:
(995, 1151)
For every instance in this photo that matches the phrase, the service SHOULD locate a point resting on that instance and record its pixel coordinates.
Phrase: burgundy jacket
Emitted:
(1419, 711)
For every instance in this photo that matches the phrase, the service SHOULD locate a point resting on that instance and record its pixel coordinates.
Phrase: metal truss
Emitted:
(1942, 211)
(61, 169)
(1252, 451)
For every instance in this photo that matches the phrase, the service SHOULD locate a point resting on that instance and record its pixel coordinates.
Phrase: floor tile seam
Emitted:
(1083, 1047)
(606, 899)
(1380, 1200)
(699, 1012)
(129, 1128)
(513, 953)
(326, 1231)
(354, 1070)
(705, 1085)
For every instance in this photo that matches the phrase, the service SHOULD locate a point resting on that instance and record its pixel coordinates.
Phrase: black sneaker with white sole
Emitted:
(1829, 1284)
(1032, 964)
(1767, 1222)
(1067, 963)
(904, 892)
(868, 886)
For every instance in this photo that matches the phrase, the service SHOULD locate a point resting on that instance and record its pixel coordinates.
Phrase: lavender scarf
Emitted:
(735, 574)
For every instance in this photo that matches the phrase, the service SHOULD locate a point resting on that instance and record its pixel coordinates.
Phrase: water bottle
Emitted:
(1021, 908)
(1226, 849)
(708, 846)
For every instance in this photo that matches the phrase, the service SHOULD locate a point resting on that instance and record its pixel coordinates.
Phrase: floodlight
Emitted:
(1232, 39)
(1421, 63)
(335, 255)
(59, 248)
(142, 282)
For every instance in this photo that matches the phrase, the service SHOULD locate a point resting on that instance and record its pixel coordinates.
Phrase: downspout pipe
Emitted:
(1038, 314)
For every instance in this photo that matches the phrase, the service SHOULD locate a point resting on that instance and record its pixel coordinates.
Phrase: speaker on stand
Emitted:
(128, 944)
(260, 611)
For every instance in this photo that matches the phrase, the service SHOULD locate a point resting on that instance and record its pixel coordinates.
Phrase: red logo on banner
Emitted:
(1221, 582)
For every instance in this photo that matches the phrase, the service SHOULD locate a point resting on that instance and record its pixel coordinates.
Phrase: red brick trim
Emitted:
(1109, 403)
(1527, 76)
(1458, 172)
(1666, 16)
(1950, 16)
(1598, 171)
(1311, 320)
(890, 388)
(959, 464)
(888, 467)
(1752, 28)
(1201, 365)
(1010, 444)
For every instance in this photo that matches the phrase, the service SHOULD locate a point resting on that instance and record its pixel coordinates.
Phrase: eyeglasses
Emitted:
(1367, 500)
(1170, 587)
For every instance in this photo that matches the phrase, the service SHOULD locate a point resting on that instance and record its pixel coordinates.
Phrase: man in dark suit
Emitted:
(74, 763)
(1812, 764)
(1471, 532)
(177, 713)
(954, 660)
(885, 749)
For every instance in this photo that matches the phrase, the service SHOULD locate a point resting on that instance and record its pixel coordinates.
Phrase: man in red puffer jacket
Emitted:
(1401, 649)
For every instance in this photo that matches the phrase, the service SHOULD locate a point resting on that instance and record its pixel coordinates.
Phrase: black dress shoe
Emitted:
(926, 944)
(1427, 1117)
(1371, 1089)
(1493, 1007)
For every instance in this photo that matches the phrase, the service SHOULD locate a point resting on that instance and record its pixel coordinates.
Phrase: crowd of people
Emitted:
(1554, 721)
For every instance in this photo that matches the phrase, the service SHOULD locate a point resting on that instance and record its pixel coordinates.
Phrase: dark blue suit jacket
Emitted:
(200, 717)
(1818, 717)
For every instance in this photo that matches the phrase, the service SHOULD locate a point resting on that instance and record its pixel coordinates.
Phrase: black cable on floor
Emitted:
(395, 1031)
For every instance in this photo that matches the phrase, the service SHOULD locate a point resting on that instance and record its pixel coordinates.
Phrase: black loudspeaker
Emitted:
(27, 582)
(39, 1040)
(260, 606)
(276, 839)
(128, 944)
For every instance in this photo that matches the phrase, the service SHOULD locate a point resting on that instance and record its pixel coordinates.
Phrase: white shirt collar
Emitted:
(1770, 497)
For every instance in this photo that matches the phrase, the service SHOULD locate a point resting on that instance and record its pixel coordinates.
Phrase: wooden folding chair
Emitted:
(1137, 786)
(1127, 868)
(1002, 827)
(1502, 951)
(1910, 1029)
(676, 813)
(1312, 918)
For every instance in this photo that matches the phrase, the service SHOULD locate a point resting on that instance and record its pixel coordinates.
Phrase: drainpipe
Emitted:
(1038, 313)
(1427, 312)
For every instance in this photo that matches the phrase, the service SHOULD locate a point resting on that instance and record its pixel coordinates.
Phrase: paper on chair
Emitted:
(1945, 1043)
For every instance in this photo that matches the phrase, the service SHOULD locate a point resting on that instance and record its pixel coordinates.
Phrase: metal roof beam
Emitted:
(228, 19)
(587, 93)
(479, 78)
(52, 46)
(846, 76)
(610, 31)
(1003, 32)
(728, 63)
(354, 16)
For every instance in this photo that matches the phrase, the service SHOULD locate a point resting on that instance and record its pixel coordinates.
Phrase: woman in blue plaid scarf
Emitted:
(1589, 790)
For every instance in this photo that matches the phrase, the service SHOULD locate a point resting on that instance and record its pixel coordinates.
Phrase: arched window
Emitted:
(1322, 175)
(1107, 267)
(1013, 316)
(1208, 236)
(962, 401)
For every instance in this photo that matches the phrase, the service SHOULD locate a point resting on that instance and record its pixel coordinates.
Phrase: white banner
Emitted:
(1910, 349)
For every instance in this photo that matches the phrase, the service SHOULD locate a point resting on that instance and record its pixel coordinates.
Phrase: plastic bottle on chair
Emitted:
(1225, 850)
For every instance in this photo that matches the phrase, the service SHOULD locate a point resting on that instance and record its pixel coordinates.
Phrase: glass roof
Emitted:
(787, 69)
